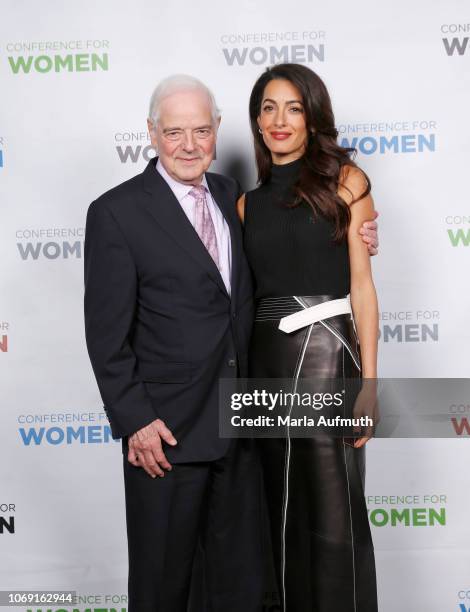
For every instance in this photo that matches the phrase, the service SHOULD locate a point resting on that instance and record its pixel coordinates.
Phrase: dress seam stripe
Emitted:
(350, 513)
(297, 370)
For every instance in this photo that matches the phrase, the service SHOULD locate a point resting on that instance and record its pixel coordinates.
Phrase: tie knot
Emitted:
(198, 192)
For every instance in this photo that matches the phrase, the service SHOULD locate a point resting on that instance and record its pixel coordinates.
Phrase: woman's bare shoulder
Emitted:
(241, 207)
(352, 184)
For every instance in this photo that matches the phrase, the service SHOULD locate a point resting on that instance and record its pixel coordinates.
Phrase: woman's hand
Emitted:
(366, 405)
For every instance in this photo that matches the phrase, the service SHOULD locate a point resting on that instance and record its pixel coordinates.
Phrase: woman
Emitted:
(303, 244)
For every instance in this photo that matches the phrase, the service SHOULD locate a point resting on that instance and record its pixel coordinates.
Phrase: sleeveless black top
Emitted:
(291, 251)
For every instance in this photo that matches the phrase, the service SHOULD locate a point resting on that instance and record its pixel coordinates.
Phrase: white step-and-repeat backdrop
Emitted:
(76, 79)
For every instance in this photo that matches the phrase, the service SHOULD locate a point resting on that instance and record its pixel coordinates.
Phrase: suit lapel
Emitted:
(167, 212)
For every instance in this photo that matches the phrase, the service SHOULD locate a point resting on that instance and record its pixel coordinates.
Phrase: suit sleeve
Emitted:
(110, 301)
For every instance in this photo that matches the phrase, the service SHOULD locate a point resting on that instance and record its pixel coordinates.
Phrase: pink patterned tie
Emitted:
(203, 223)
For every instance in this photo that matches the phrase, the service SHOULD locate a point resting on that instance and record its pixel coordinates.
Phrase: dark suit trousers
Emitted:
(216, 504)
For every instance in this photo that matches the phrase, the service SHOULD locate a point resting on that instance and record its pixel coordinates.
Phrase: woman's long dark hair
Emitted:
(324, 160)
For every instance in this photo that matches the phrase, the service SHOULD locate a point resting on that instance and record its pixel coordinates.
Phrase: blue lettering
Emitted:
(430, 143)
(75, 434)
(408, 143)
(389, 144)
(91, 434)
(107, 435)
(94, 433)
(368, 145)
(50, 435)
(31, 435)
(349, 145)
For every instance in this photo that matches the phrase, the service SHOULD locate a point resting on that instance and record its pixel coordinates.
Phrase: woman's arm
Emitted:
(241, 207)
(363, 295)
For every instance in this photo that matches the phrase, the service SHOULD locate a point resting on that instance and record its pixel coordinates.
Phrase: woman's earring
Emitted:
(260, 130)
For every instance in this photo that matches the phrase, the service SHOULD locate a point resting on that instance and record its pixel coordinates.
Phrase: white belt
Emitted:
(310, 315)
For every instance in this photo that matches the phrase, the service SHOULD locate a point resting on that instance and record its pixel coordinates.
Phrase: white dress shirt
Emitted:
(222, 231)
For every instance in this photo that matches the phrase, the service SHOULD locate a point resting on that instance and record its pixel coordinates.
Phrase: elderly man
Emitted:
(168, 311)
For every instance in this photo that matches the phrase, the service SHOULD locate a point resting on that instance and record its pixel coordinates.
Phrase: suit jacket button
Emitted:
(232, 363)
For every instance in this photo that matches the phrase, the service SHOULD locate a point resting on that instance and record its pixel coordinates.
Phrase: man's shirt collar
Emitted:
(179, 189)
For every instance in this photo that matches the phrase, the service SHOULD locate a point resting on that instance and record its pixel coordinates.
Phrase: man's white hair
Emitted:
(179, 83)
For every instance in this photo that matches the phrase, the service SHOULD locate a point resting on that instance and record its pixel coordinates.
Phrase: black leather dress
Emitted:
(321, 540)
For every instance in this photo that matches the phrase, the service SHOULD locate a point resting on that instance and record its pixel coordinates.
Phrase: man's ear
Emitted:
(152, 132)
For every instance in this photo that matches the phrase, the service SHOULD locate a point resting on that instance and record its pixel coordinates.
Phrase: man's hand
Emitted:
(369, 235)
(145, 448)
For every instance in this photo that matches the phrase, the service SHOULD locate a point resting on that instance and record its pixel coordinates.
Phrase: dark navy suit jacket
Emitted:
(161, 329)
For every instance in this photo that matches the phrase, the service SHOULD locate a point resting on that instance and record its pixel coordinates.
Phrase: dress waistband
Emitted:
(294, 312)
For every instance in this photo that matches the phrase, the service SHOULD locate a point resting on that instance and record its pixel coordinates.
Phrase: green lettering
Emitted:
(419, 517)
(379, 517)
(81, 62)
(63, 62)
(398, 517)
(101, 61)
(440, 516)
(20, 63)
(43, 63)
(459, 236)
